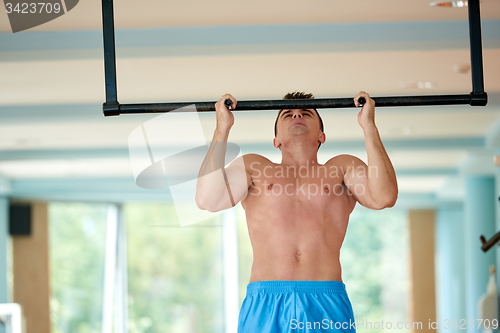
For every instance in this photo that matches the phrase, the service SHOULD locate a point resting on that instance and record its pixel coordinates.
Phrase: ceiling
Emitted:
(52, 130)
(186, 13)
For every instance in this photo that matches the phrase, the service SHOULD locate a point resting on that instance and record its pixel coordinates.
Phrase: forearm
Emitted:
(212, 187)
(382, 183)
(214, 159)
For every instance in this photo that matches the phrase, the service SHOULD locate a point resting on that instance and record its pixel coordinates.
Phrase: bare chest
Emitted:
(308, 190)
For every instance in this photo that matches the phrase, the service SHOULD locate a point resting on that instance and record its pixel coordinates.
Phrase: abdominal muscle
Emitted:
(295, 261)
(295, 239)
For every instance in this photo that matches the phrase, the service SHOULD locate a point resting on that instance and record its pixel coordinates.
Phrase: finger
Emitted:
(222, 101)
(220, 104)
(356, 103)
(361, 100)
(234, 101)
(363, 94)
(230, 97)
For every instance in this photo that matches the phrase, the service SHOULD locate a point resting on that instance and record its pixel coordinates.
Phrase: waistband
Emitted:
(296, 286)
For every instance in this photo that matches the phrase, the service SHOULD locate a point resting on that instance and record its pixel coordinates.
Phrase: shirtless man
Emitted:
(297, 213)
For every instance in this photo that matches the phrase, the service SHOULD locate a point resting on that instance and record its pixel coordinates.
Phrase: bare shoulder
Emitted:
(254, 163)
(343, 160)
(256, 158)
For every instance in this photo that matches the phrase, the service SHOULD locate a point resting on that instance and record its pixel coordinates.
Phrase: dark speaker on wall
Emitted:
(20, 220)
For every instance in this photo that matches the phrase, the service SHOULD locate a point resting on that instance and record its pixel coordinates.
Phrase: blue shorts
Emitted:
(296, 306)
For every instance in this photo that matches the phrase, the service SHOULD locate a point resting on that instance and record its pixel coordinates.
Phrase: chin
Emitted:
(298, 130)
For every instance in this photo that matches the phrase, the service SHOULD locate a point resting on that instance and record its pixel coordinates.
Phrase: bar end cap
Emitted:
(111, 109)
(478, 99)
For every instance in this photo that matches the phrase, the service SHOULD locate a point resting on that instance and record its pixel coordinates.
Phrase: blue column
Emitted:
(450, 266)
(479, 220)
(497, 205)
(4, 249)
(4, 243)
(492, 140)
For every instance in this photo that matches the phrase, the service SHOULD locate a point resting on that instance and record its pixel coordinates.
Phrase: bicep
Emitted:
(223, 188)
(356, 180)
(238, 179)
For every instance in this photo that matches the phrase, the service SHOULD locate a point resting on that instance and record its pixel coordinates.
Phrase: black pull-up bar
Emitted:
(476, 98)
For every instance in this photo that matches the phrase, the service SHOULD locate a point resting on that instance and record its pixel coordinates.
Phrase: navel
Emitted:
(326, 189)
(270, 186)
(297, 255)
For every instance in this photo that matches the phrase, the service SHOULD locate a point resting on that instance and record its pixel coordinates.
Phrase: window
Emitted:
(175, 275)
(374, 260)
(77, 245)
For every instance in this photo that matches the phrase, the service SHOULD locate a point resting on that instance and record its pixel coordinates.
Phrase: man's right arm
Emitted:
(219, 188)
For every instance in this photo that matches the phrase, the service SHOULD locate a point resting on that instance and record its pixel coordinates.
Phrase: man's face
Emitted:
(294, 122)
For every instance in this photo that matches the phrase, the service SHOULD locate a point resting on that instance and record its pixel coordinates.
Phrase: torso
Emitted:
(297, 218)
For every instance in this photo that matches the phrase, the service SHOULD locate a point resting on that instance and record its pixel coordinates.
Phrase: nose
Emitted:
(297, 114)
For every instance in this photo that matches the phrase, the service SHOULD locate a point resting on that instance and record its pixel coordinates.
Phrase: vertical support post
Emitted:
(497, 221)
(110, 269)
(479, 213)
(121, 299)
(422, 276)
(31, 285)
(450, 265)
(476, 54)
(111, 107)
(4, 251)
(230, 255)
(115, 304)
(4, 254)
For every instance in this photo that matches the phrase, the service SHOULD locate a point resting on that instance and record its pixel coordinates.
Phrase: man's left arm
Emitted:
(374, 185)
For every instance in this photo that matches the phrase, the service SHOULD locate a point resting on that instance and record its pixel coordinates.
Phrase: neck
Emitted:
(299, 153)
